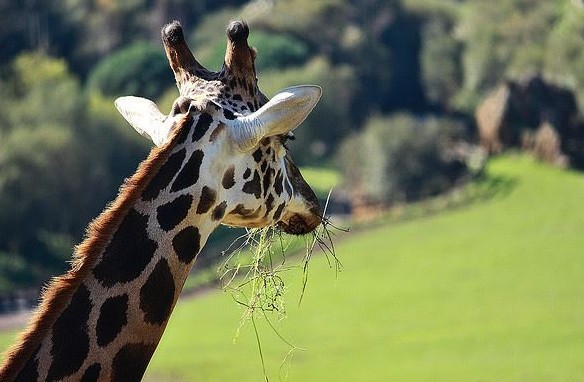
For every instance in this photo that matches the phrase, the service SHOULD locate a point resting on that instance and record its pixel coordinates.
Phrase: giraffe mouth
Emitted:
(297, 224)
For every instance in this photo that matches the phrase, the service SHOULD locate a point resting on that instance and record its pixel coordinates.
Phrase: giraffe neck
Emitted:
(104, 318)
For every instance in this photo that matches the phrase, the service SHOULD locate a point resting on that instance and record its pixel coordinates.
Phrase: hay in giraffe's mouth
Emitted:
(257, 270)
(254, 271)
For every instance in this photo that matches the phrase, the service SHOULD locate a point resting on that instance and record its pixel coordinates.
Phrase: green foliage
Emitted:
(565, 53)
(113, 148)
(32, 69)
(208, 45)
(493, 35)
(304, 16)
(400, 158)
(349, 35)
(440, 60)
(362, 162)
(432, 8)
(116, 75)
(40, 91)
(277, 51)
(37, 177)
(15, 273)
(56, 145)
(332, 117)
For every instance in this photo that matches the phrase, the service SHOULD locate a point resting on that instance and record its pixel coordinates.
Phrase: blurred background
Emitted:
(451, 131)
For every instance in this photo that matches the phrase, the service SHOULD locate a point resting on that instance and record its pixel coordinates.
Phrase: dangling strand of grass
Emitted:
(261, 279)
(258, 274)
(321, 236)
(252, 268)
(255, 329)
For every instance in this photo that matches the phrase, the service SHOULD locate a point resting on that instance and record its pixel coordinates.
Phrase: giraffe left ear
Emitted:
(145, 117)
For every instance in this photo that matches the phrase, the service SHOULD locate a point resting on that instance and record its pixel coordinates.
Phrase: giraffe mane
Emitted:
(59, 290)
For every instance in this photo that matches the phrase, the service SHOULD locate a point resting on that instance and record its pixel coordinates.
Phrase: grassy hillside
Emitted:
(488, 292)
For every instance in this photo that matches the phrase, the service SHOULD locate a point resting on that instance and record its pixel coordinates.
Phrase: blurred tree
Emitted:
(440, 63)
(116, 75)
(565, 54)
(331, 119)
(492, 35)
(42, 105)
(24, 24)
(362, 160)
(402, 158)
(403, 38)
(51, 155)
(16, 273)
(275, 50)
(278, 51)
(37, 179)
(319, 22)
(348, 33)
(207, 44)
(114, 146)
(41, 91)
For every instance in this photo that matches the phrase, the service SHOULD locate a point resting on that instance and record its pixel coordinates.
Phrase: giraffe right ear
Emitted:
(145, 117)
(280, 115)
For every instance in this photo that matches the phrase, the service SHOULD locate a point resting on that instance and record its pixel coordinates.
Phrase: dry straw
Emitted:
(253, 272)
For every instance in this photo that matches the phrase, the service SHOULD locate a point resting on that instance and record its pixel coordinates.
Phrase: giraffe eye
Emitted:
(181, 105)
(287, 137)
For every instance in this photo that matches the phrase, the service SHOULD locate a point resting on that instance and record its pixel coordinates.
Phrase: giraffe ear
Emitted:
(282, 114)
(145, 117)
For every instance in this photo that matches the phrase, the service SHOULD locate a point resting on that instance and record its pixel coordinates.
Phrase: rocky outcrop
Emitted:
(535, 115)
(546, 146)
(490, 117)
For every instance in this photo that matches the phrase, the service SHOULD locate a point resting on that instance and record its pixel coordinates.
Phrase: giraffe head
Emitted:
(247, 172)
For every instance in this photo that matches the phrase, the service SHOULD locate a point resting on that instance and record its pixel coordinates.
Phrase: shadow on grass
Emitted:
(481, 190)
(490, 187)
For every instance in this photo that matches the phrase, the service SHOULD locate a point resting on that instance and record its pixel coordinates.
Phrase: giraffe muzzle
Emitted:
(301, 224)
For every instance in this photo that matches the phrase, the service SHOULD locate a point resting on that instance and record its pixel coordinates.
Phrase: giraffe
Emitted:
(219, 158)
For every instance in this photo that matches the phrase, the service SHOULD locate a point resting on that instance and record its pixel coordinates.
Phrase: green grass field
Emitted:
(491, 291)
